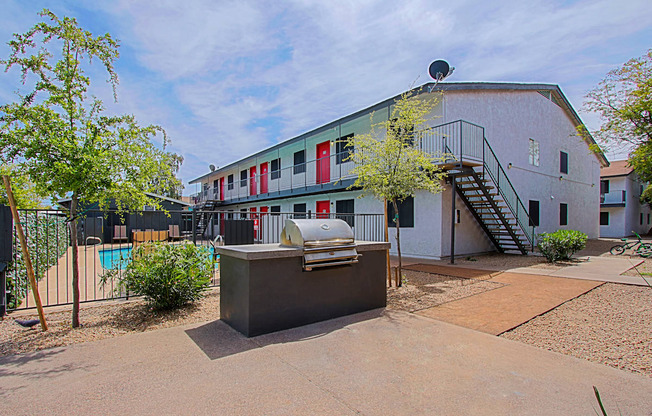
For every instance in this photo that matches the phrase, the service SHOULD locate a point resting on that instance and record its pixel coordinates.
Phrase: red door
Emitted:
(323, 162)
(263, 178)
(255, 218)
(221, 223)
(323, 209)
(221, 189)
(252, 180)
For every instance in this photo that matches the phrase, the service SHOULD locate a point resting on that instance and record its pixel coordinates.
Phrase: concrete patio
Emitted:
(374, 363)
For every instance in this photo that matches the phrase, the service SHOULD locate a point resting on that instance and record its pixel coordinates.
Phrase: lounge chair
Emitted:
(120, 233)
(173, 232)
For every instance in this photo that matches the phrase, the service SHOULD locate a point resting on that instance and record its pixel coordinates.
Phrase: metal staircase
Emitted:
(480, 181)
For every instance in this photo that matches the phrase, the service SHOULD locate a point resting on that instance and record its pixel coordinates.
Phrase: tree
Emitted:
(61, 139)
(387, 163)
(26, 194)
(624, 102)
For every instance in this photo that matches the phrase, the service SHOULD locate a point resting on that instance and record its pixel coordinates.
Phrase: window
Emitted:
(229, 181)
(343, 207)
(300, 162)
(648, 219)
(229, 215)
(405, 213)
(534, 153)
(641, 190)
(343, 149)
(243, 214)
(641, 215)
(276, 168)
(604, 187)
(299, 210)
(604, 218)
(275, 209)
(563, 214)
(216, 186)
(563, 162)
(243, 178)
(533, 210)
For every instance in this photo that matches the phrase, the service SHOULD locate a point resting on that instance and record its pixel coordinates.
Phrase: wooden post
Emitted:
(23, 245)
(386, 228)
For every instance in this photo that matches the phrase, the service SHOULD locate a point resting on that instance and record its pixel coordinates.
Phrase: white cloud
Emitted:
(209, 71)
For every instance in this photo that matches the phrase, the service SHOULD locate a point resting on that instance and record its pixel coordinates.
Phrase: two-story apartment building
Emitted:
(621, 212)
(519, 169)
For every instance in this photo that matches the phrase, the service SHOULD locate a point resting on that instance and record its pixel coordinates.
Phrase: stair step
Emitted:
(477, 188)
(471, 182)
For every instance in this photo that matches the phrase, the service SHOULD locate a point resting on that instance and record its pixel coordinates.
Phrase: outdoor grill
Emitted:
(316, 273)
(325, 242)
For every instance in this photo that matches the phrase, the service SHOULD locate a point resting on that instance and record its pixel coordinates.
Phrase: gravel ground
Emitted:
(425, 290)
(108, 320)
(608, 325)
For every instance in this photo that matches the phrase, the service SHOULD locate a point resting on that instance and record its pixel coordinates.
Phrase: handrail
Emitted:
(462, 139)
(524, 227)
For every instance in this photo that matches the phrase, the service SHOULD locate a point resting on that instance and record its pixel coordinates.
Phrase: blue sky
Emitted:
(227, 78)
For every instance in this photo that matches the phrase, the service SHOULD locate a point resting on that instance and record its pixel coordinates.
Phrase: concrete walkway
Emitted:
(375, 363)
(602, 269)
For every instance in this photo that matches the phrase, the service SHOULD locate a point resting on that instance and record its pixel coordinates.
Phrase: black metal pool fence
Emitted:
(105, 239)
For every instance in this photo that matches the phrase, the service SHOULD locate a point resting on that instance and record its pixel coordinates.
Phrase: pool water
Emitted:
(118, 258)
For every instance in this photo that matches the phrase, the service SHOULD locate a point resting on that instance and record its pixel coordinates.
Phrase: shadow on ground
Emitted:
(218, 340)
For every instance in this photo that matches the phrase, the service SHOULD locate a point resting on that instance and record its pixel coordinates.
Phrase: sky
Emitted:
(228, 78)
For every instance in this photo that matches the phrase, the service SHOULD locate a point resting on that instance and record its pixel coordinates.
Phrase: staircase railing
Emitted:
(466, 142)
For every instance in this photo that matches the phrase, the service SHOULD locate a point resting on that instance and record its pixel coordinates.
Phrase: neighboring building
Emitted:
(521, 138)
(621, 211)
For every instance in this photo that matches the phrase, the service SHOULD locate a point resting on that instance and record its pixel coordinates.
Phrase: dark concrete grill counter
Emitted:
(318, 272)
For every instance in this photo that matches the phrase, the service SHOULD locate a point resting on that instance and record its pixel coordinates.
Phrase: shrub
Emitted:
(561, 244)
(167, 275)
(47, 241)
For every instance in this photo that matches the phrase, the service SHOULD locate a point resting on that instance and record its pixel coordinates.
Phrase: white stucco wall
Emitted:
(510, 119)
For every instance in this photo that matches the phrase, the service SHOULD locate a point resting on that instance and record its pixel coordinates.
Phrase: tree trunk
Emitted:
(398, 243)
(75, 262)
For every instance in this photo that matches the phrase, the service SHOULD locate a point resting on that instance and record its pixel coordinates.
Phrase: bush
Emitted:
(47, 241)
(167, 275)
(561, 244)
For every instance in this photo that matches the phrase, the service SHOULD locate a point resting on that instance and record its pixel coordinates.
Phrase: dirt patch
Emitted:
(99, 322)
(608, 325)
(424, 290)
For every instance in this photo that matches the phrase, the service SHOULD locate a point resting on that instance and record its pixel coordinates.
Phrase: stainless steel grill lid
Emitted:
(325, 242)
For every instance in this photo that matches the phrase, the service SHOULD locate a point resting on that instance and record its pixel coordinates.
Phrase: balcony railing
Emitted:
(318, 172)
(614, 197)
(460, 141)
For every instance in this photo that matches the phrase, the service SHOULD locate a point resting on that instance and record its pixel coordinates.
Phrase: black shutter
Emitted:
(533, 210)
(563, 214)
(563, 162)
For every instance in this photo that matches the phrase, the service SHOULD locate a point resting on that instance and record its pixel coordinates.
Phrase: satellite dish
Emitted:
(439, 70)
(211, 167)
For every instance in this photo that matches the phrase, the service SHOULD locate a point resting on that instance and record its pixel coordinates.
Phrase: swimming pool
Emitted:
(117, 258)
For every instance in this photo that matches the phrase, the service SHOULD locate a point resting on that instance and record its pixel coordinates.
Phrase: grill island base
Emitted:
(263, 287)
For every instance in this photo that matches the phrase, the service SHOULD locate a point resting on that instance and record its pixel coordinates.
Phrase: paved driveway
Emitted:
(374, 363)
